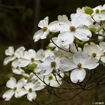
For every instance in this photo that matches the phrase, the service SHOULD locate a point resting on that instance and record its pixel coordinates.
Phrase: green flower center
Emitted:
(97, 10)
(15, 88)
(30, 89)
(93, 54)
(79, 65)
(32, 59)
(72, 28)
(13, 55)
(53, 64)
(44, 28)
(50, 77)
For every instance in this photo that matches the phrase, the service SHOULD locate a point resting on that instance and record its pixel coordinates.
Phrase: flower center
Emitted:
(13, 55)
(53, 64)
(104, 53)
(44, 28)
(79, 65)
(50, 77)
(72, 28)
(15, 88)
(97, 10)
(32, 59)
(62, 41)
(93, 54)
(30, 90)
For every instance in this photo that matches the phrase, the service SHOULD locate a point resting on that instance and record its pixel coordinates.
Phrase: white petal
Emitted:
(31, 96)
(66, 38)
(79, 19)
(62, 18)
(19, 52)
(8, 59)
(54, 26)
(77, 75)
(48, 71)
(40, 54)
(82, 34)
(44, 22)
(47, 63)
(8, 95)
(45, 34)
(38, 86)
(37, 35)
(24, 62)
(9, 51)
(21, 83)
(15, 63)
(20, 92)
(80, 57)
(30, 54)
(54, 83)
(66, 65)
(17, 71)
(29, 85)
(11, 83)
(20, 63)
(91, 63)
(65, 26)
(102, 45)
(103, 59)
(93, 48)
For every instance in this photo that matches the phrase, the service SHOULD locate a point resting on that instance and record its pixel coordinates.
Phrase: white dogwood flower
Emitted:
(31, 94)
(69, 31)
(31, 89)
(19, 53)
(28, 57)
(49, 64)
(15, 88)
(80, 18)
(78, 64)
(102, 46)
(19, 71)
(44, 31)
(93, 50)
(99, 13)
(53, 79)
(55, 25)
(11, 53)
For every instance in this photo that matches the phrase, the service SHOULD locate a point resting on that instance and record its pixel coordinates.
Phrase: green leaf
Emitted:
(88, 10)
(30, 67)
(100, 28)
(49, 47)
(92, 30)
(85, 26)
(103, 10)
(67, 74)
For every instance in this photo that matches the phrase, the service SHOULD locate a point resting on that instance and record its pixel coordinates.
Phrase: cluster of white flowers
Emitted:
(77, 44)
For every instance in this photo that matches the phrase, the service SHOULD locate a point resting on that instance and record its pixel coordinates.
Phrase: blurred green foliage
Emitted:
(17, 26)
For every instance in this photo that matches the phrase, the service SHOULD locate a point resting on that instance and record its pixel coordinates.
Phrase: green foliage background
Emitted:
(18, 22)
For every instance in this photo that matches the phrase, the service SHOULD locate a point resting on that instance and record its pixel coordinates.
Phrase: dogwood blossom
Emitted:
(99, 13)
(31, 89)
(53, 79)
(78, 64)
(93, 50)
(69, 30)
(14, 88)
(11, 53)
(49, 65)
(76, 44)
(44, 31)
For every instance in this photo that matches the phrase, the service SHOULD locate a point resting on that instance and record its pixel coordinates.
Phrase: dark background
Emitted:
(18, 22)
